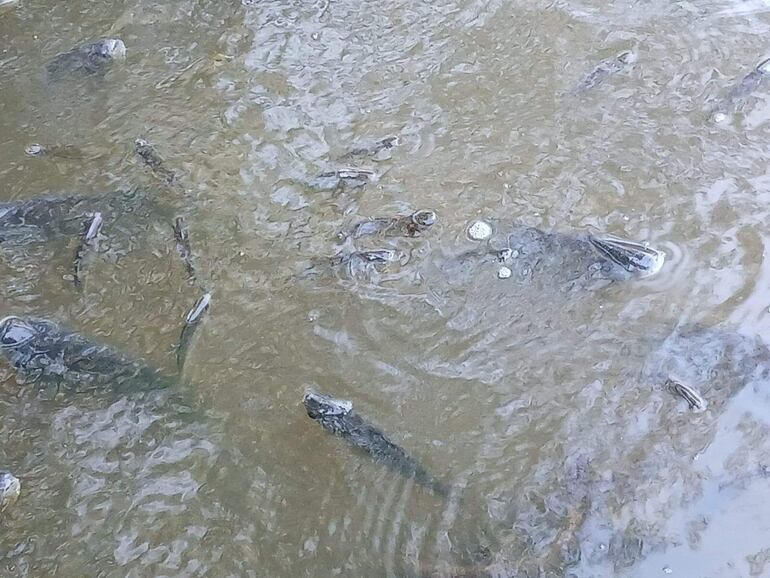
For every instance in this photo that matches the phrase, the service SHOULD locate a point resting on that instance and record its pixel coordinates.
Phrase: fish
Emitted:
(374, 149)
(152, 159)
(182, 238)
(88, 58)
(192, 321)
(339, 418)
(737, 95)
(88, 240)
(607, 68)
(49, 217)
(406, 225)
(62, 361)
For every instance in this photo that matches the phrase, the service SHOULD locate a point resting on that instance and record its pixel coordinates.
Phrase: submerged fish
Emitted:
(88, 240)
(605, 69)
(363, 257)
(737, 95)
(556, 259)
(406, 226)
(44, 218)
(152, 159)
(343, 178)
(338, 417)
(60, 360)
(88, 58)
(192, 320)
(58, 151)
(182, 238)
(374, 149)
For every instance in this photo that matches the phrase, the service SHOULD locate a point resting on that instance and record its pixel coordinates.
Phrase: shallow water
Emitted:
(543, 406)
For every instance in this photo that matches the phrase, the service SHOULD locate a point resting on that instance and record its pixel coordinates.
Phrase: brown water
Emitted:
(543, 408)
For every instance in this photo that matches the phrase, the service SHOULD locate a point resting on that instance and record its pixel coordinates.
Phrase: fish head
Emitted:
(627, 57)
(319, 406)
(10, 488)
(108, 48)
(764, 66)
(15, 332)
(424, 218)
(635, 258)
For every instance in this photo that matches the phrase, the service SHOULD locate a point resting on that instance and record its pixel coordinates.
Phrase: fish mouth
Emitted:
(424, 218)
(627, 57)
(319, 405)
(115, 48)
(15, 332)
(634, 257)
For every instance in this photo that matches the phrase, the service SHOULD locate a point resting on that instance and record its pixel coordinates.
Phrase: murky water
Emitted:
(542, 404)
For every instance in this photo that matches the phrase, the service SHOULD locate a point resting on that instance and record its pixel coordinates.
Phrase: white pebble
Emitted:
(504, 273)
(479, 231)
(667, 570)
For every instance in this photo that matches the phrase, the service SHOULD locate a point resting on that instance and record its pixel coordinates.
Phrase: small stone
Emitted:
(667, 570)
(504, 273)
(479, 231)
(719, 117)
(505, 254)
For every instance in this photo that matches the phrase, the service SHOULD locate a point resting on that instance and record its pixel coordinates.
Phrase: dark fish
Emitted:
(182, 239)
(567, 260)
(737, 95)
(376, 256)
(605, 69)
(192, 321)
(44, 218)
(152, 159)
(88, 240)
(407, 226)
(60, 360)
(340, 179)
(386, 143)
(59, 151)
(87, 58)
(338, 417)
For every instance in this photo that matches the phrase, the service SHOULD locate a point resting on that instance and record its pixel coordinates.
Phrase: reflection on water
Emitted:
(539, 398)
